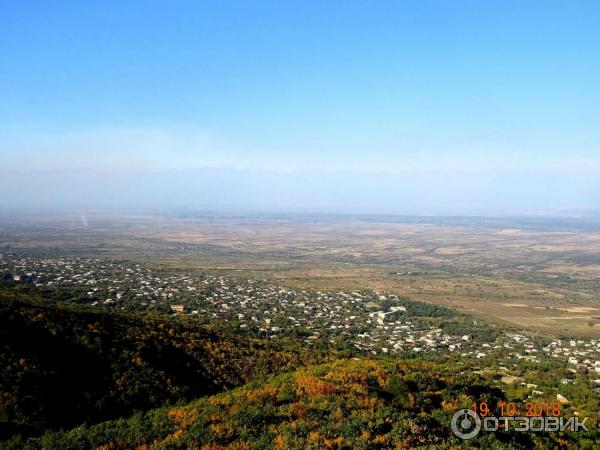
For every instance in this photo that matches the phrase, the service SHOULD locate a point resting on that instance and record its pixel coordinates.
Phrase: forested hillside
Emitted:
(64, 365)
(121, 380)
(363, 404)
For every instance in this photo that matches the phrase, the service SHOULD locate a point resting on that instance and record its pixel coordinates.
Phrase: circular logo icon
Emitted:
(465, 424)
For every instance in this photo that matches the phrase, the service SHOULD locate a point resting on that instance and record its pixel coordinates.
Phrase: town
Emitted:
(369, 321)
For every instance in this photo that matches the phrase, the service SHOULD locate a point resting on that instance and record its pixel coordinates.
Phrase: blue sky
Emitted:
(369, 86)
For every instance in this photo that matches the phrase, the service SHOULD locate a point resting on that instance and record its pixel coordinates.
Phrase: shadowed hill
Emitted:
(64, 365)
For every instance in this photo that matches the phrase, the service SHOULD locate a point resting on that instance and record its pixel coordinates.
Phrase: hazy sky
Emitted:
(364, 86)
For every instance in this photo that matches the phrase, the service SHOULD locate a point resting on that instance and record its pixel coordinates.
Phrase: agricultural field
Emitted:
(538, 274)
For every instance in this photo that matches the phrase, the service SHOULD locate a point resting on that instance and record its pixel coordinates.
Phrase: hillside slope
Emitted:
(64, 365)
(344, 404)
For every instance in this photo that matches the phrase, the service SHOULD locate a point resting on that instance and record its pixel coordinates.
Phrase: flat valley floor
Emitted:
(538, 274)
